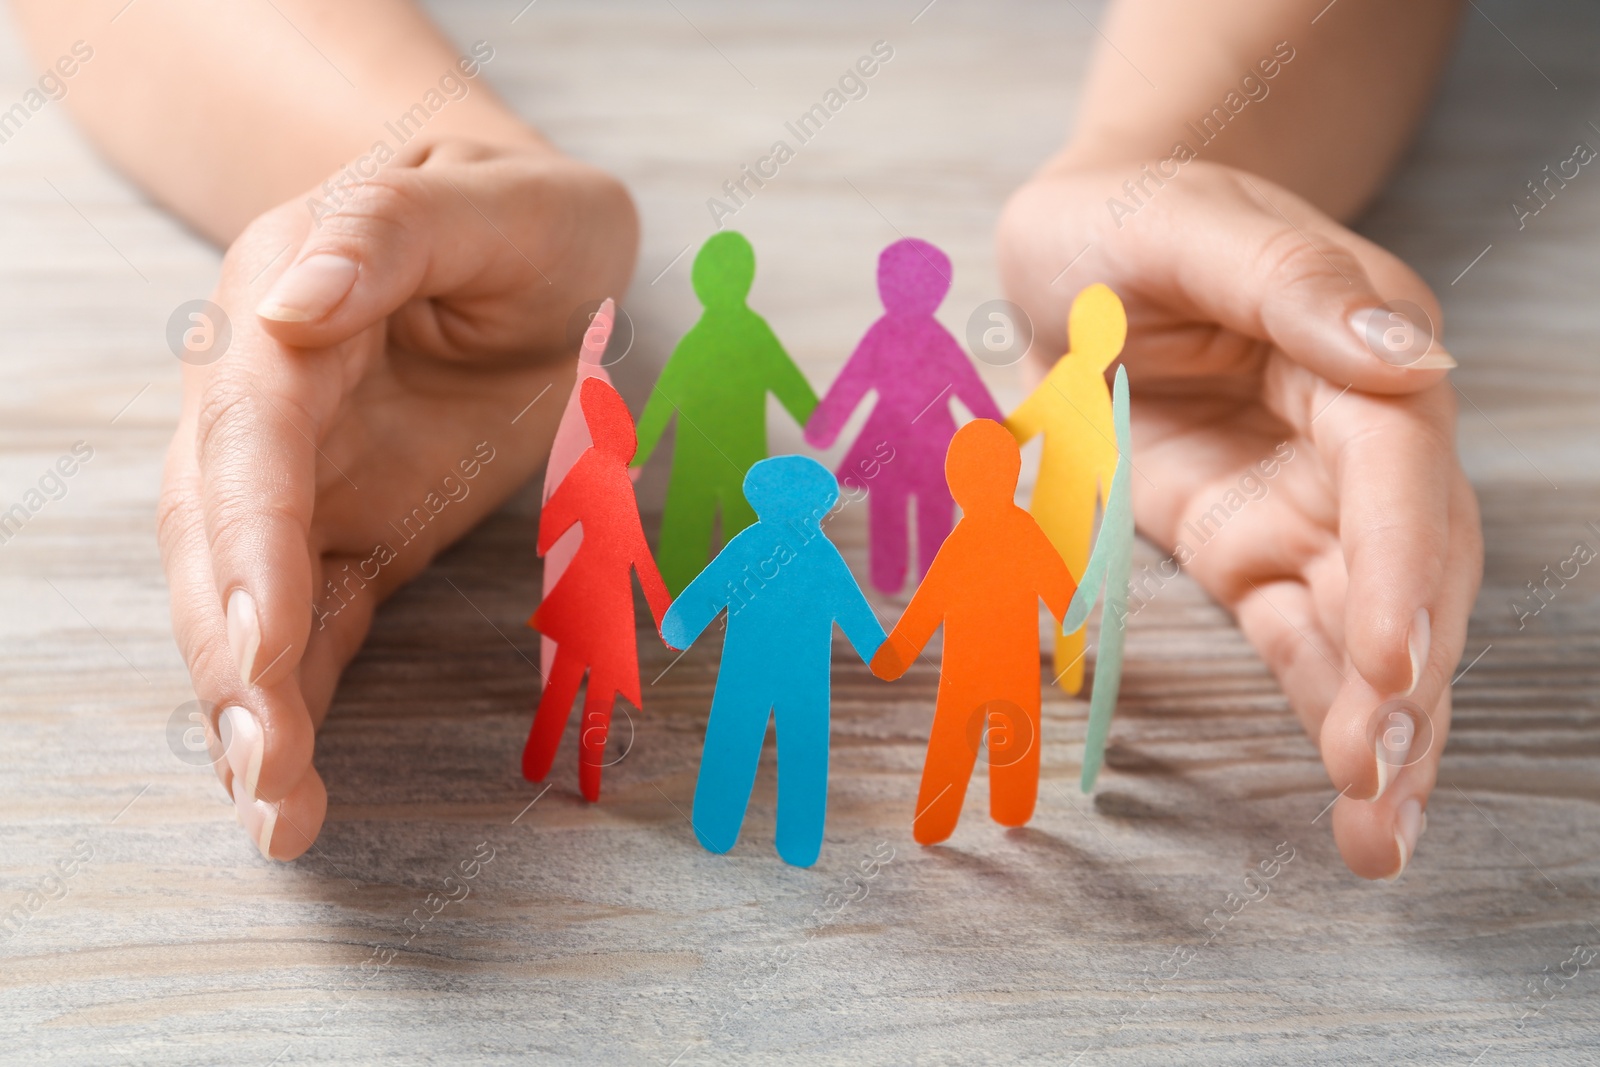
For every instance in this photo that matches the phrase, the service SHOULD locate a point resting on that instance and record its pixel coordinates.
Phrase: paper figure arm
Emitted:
(698, 604)
(968, 387)
(786, 381)
(1056, 585)
(650, 580)
(921, 617)
(1116, 522)
(843, 396)
(560, 513)
(658, 410)
(1103, 452)
(852, 612)
(1027, 422)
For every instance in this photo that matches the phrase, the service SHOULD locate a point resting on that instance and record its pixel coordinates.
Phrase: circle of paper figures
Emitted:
(782, 583)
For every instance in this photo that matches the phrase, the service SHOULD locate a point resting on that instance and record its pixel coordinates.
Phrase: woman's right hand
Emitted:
(377, 400)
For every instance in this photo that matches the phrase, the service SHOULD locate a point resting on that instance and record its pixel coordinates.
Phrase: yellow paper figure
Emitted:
(1072, 409)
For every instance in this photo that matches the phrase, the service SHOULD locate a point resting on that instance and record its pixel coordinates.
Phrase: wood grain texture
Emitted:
(604, 933)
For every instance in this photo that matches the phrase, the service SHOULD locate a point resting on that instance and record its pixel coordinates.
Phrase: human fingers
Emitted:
(1231, 249)
(1383, 751)
(471, 253)
(256, 417)
(263, 734)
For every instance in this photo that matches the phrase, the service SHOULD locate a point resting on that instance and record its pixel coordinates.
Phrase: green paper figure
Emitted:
(1109, 566)
(717, 381)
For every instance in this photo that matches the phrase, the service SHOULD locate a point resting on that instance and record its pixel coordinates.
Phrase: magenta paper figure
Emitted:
(916, 368)
(572, 438)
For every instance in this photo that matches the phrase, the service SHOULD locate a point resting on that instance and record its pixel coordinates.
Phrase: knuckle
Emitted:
(1290, 263)
(222, 425)
(388, 200)
(177, 519)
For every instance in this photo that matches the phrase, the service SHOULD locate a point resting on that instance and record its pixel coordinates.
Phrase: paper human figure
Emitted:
(1071, 407)
(717, 381)
(784, 585)
(917, 369)
(589, 613)
(572, 437)
(984, 587)
(1109, 567)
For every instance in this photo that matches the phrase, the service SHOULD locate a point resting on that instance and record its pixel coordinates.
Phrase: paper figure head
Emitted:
(790, 487)
(610, 425)
(1097, 326)
(982, 466)
(723, 269)
(593, 349)
(913, 277)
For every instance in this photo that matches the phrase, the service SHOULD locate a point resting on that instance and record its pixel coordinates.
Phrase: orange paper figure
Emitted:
(984, 586)
(589, 613)
(1072, 409)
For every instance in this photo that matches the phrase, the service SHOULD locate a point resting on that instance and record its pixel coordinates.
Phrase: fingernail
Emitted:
(1396, 730)
(1395, 335)
(244, 633)
(1438, 359)
(1409, 824)
(309, 289)
(1417, 642)
(243, 743)
(258, 818)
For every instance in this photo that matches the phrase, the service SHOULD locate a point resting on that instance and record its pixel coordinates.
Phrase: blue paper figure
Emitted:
(784, 585)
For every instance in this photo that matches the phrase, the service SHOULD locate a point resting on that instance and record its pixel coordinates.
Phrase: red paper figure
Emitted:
(589, 613)
(917, 369)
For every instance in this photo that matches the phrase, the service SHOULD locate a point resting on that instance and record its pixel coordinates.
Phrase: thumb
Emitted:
(408, 234)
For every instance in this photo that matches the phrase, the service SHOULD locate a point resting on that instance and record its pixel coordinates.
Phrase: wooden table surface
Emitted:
(604, 933)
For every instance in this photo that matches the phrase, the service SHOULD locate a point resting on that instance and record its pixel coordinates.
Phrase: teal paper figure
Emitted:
(717, 381)
(1109, 565)
(784, 585)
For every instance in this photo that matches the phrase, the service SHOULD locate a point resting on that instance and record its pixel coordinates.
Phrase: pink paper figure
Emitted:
(915, 367)
(572, 438)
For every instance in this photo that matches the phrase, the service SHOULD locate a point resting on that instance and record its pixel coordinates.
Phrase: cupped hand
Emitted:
(1294, 448)
(374, 403)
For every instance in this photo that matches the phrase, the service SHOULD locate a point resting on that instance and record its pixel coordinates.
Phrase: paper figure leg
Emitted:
(597, 704)
(738, 725)
(686, 522)
(1070, 648)
(887, 536)
(802, 775)
(1014, 762)
(1107, 669)
(556, 561)
(952, 750)
(555, 706)
(1069, 660)
(936, 515)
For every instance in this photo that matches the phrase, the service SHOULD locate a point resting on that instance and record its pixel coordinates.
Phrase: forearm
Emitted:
(1330, 123)
(221, 110)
